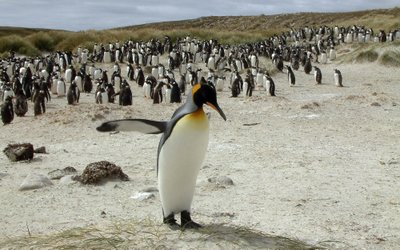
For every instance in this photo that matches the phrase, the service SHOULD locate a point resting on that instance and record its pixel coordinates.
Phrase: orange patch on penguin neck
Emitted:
(196, 88)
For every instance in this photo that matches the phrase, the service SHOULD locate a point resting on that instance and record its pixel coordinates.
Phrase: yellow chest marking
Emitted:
(196, 120)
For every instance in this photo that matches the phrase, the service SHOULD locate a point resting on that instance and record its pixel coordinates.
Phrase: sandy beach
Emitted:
(317, 163)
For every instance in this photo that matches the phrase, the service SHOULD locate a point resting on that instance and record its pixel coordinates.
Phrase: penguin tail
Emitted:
(138, 125)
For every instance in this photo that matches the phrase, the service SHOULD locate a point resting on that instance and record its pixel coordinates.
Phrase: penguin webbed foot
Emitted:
(171, 222)
(187, 222)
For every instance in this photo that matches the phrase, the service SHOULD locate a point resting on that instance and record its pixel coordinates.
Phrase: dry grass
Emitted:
(226, 29)
(384, 53)
(148, 234)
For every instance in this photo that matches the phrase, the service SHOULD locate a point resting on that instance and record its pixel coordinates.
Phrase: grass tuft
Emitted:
(390, 58)
(151, 235)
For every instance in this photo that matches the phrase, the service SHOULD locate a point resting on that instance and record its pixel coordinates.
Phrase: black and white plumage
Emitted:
(7, 111)
(21, 104)
(338, 78)
(291, 77)
(181, 151)
(73, 93)
(317, 75)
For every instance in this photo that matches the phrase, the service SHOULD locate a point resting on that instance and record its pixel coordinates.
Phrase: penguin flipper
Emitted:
(138, 125)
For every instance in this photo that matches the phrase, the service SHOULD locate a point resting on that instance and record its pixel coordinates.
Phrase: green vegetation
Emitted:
(226, 29)
(18, 44)
(367, 56)
(390, 58)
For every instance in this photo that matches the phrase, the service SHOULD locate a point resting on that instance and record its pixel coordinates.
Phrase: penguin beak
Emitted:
(217, 108)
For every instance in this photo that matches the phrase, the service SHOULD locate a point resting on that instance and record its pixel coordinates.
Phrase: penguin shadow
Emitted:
(249, 238)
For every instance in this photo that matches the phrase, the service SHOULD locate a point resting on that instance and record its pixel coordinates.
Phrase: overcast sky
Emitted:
(78, 15)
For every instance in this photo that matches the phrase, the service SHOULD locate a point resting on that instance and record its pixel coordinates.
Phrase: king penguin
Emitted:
(181, 151)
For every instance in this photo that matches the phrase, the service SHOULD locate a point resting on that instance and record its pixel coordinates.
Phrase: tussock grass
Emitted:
(367, 56)
(387, 54)
(148, 234)
(42, 41)
(19, 45)
(390, 58)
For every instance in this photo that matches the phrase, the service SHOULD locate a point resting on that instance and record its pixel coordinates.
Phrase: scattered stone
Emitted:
(376, 104)
(310, 105)
(35, 181)
(59, 173)
(223, 214)
(141, 196)
(97, 172)
(40, 150)
(251, 124)
(150, 190)
(67, 180)
(221, 181)
(19, 152)
(103, 214)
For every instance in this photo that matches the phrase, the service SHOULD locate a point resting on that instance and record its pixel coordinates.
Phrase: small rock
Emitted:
(221, 181)
(67, 180)
(19, 152)
(149, 190)
(223, 214)
(35, 181)
(40, 150)
(98, 172)
(141, 196)
(103, 214)
(376, 104)
(59, 173)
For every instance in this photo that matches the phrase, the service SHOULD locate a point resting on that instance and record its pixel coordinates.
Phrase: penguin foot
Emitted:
(171, 222)
(186, 221)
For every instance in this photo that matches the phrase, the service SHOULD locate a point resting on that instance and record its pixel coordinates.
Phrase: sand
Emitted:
(316, 163)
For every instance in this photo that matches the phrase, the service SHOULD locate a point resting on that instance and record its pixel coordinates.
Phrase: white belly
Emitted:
(179, 163)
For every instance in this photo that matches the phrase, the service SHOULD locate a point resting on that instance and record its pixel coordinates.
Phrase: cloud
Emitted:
(102, 14)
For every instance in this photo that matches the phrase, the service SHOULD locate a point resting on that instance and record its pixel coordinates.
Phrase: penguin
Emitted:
(338, 78)
(125, 94)
(220, 84)
(157, 93)
(39, 106)
(87, 84)
(324, 57)
(73, 93)
(291, 77)
(7, 111)
(270, 85)
(181, 151)
(60, 88)
(140, 77)
(307, 66)
(21, 104)
(167, 90)
(175, 93)
(125, 97)
(147, 89)
(332, 54)
(317, 75)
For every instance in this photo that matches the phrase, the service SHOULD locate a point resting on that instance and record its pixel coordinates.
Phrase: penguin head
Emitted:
(204, 93)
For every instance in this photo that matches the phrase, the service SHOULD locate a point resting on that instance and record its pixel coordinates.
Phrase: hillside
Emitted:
(226, 29)
(378, 19)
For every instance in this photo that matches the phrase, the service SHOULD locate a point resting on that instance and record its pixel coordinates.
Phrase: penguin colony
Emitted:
(35, 80)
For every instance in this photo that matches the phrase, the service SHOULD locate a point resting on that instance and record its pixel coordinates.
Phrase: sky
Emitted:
(76, 15)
